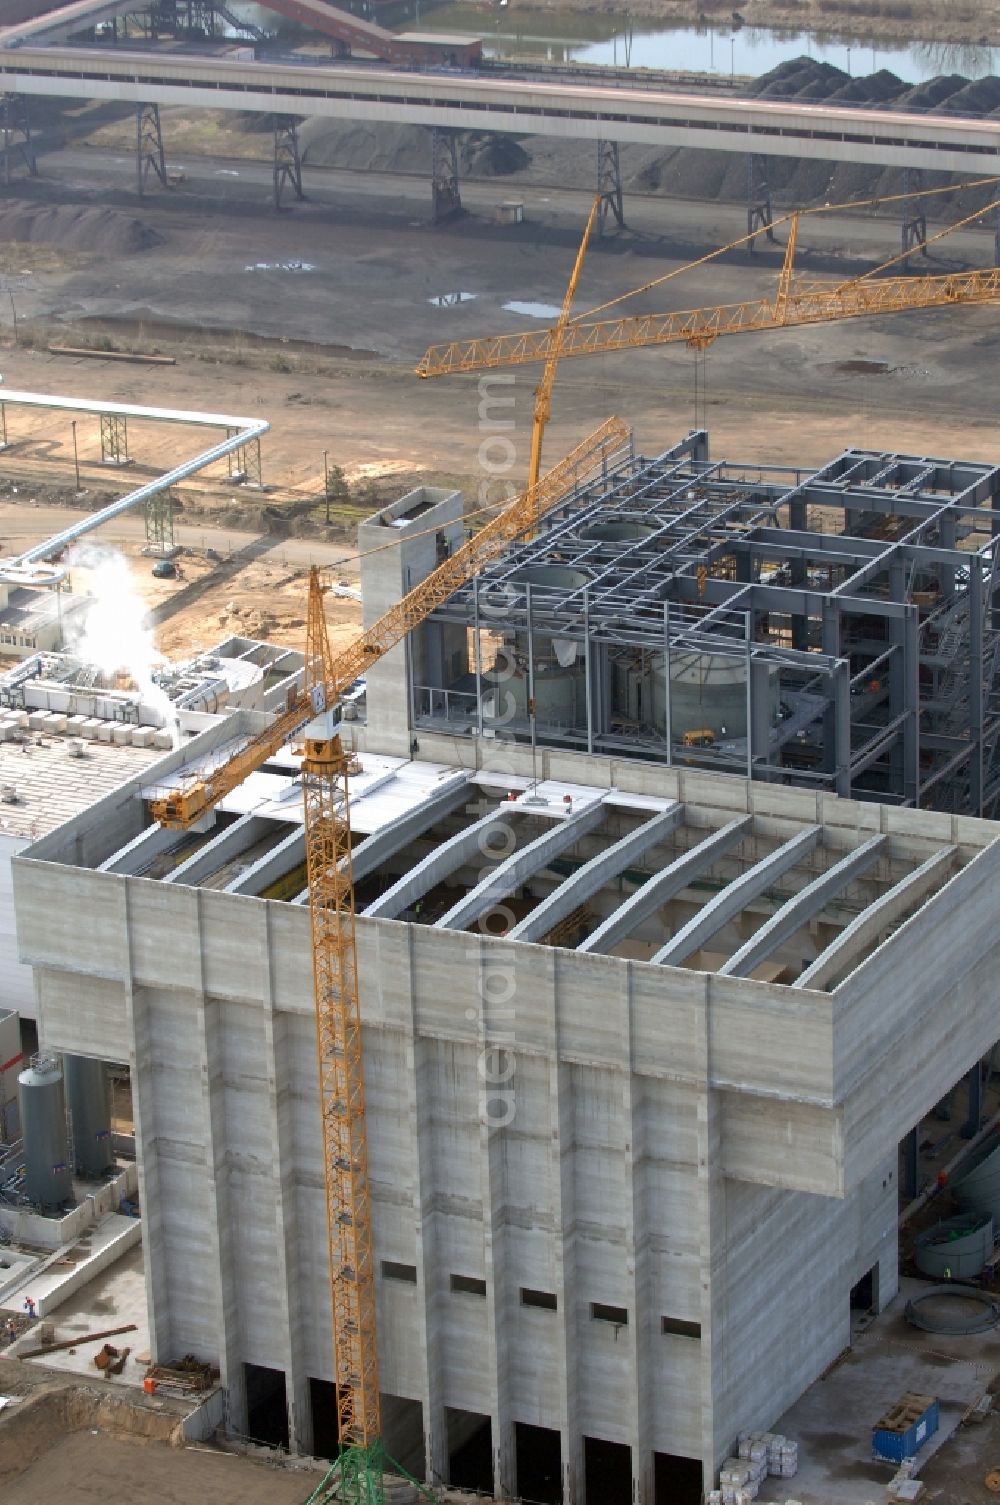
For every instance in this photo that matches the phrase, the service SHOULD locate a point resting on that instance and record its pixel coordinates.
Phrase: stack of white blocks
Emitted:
(88, 728)
(781, 1453)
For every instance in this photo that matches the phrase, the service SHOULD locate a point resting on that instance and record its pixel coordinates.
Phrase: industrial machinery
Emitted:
(312, 713)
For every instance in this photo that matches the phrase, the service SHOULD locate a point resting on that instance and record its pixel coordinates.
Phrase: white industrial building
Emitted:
(635, 1085)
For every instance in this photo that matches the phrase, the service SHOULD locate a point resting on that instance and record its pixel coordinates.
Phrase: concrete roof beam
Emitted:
(804, 906)
(506, 878)
(735, 897)
(441, 863)
(592, 877)
(844, 953)
(665, 885)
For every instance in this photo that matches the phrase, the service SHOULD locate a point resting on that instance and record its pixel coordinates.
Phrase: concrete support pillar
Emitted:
(974, 1117)
(501, 1282)
(155, 1209)
(432, 1267)
(219, 1227)
(280, 1089)
(641, 1332)
(561, 1200)
(911, 1165)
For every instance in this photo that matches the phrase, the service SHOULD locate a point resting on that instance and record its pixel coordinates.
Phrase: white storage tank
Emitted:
(47, 1178)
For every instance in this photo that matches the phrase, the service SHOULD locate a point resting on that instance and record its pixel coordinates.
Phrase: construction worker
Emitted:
(29, 1307)
(11, 1330)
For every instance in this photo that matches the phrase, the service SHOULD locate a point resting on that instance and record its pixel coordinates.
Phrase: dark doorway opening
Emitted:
(607, 1472)
(403, 1433)
(470, 1450)
(538, 1456)
(864, 1296)
(267, 1408)
(676, 1480)
(323, 1405)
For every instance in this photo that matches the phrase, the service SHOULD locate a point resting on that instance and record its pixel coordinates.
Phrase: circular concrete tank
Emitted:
(618, 530)
(957, 1248)
(88, 1100)
(560, 695)
(558, 577)
(708, 692)
(977, 1185)
(47, 1178)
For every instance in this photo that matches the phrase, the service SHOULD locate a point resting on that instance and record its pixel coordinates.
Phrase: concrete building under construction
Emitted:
(649, 889)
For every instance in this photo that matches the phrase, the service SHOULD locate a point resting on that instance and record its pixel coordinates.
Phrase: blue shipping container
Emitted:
(908, 1432)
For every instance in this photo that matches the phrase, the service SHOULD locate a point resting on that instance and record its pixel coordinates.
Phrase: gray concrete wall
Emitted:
(17, 990)
(395, 556)
(715, 1150)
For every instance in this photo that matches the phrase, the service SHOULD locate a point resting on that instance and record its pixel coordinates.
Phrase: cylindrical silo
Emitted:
(977, 1184)
(956, 1249)
(624, 530)
(47, 1177)
(708, 692)
(88, 1099)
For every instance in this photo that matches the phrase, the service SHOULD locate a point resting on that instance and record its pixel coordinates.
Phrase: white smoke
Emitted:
(114, 633)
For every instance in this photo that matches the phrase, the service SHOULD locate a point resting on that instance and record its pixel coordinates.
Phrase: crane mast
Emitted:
(358, 1474)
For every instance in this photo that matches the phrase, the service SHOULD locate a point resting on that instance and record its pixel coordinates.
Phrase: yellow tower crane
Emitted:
(793, 303)
(358, 1472)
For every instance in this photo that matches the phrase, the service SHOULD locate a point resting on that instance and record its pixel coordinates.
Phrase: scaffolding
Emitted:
(835, 628)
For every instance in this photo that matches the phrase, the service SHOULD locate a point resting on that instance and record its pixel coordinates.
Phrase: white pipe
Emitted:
(29, 568)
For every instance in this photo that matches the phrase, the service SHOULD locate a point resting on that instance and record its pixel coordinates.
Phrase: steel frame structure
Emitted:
(867, 588)
(17, 136)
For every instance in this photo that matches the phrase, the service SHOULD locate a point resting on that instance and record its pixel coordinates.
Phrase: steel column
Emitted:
(609, 185)
(17, 135)
(160, 521)
(287, 157)
(914, 225)
(245, 466)
(445, 192)
(114, 439)
(148, 146)
(759, 215)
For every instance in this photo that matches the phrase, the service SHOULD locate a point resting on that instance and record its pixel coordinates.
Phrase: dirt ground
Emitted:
(74, 1442)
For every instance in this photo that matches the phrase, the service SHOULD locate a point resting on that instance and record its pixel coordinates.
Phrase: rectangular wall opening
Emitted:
(403, 1433)
(468, 1285)
(545, 1300)
(267, 1406)
(323, 1405)
(538, 1459)
(679, 1328)
(601, 1312)
(607, 1468)
(676, 1480)
(864, 1296)
(470, 1450)
(393, 1270)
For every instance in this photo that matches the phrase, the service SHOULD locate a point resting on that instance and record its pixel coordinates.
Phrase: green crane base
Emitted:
(358, 1478)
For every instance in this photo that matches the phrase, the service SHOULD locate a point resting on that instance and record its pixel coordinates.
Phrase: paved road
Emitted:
(22, 525)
